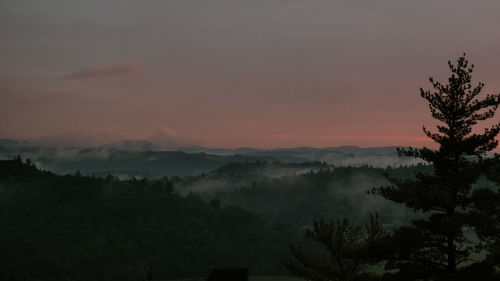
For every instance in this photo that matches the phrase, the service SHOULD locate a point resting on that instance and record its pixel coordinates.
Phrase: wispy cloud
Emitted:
(97, 70)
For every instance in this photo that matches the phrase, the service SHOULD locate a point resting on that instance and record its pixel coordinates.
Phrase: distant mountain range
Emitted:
(144, 159)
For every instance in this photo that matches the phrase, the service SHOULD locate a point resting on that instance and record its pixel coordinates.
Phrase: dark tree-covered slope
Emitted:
(83, 228)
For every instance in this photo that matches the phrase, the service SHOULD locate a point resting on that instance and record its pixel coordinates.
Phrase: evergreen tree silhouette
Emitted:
(437, 246)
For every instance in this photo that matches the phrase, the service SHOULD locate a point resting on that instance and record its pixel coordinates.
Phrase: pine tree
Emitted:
(438, 244)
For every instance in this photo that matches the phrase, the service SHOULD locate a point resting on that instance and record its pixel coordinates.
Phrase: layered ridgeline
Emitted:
(298, 193)
(128, 159)
(76, 227)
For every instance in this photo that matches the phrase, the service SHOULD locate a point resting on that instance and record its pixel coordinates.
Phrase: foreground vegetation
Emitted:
(83, 228)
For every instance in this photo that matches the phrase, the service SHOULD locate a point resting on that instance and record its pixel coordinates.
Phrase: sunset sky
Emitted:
(232, 73)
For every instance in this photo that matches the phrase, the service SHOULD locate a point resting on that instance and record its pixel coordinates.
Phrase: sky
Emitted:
(230, 74)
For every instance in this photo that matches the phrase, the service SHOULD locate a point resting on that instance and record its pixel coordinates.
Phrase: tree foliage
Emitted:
(346, 250)
(86, 228)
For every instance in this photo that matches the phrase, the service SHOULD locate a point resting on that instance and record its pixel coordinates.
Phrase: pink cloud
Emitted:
(96, 70)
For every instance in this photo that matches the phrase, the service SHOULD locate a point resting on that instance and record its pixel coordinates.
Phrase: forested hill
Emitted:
(298, 193)
(76, 227)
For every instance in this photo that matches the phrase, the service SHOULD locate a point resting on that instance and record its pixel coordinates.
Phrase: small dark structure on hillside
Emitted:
(229, 274)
